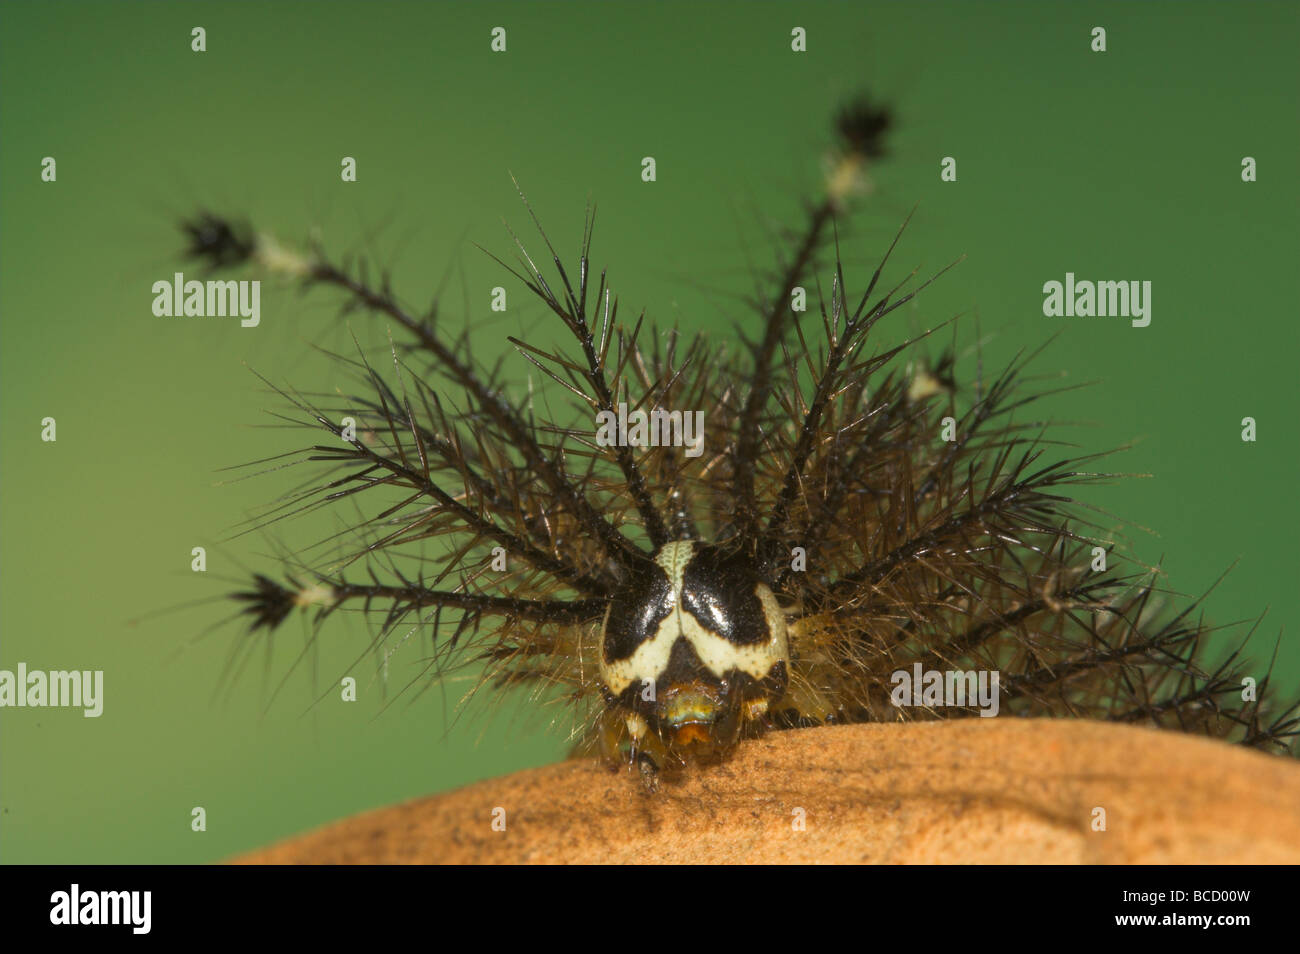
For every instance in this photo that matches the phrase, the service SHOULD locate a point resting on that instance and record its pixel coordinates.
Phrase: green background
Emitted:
(1117, 165)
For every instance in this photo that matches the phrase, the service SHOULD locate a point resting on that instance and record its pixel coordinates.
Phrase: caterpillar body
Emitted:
(852, 514)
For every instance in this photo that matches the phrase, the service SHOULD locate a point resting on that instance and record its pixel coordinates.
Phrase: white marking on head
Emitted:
(718, 655)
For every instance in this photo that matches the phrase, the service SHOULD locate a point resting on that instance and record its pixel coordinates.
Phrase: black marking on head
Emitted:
(635, 615)
(718, 590)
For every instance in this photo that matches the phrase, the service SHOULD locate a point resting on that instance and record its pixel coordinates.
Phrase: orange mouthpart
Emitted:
(691, 733)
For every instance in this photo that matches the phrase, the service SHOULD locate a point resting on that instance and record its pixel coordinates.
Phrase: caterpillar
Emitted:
(849, 513)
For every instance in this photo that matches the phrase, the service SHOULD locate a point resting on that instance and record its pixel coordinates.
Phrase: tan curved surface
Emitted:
(1003, 790)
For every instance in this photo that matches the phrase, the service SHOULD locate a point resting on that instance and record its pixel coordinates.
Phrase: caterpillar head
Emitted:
(693, 650)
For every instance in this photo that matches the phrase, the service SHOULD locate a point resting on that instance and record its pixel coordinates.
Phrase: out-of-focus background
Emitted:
(1116, 165)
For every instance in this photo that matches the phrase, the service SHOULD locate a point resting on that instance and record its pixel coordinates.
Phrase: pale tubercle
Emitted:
(280, 259)
(846, 177)
(315, 594)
